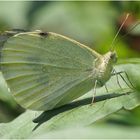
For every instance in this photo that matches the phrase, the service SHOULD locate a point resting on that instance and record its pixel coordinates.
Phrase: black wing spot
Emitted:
(44, 34)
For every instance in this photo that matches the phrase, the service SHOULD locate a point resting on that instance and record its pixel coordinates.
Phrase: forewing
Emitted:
(46, 70)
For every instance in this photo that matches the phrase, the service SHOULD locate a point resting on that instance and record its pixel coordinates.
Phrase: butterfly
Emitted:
(45, 70)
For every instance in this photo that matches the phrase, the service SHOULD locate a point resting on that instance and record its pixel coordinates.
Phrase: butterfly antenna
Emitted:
(134, 26)
(129, 31)
(111, 46)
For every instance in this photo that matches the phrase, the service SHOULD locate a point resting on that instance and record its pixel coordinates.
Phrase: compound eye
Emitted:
(112, 56)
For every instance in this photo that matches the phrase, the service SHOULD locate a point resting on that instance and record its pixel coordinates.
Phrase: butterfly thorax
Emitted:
(104, 67)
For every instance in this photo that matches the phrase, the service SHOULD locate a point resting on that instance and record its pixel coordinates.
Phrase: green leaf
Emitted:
(22, 124)
(98, 132)
(4, 93)
(80, 114)
(7, 103)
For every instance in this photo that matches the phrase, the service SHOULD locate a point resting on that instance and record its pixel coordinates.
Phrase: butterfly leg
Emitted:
(94, 92)
(132, 86)
(120, 74)
(116, 74)
(106, 89)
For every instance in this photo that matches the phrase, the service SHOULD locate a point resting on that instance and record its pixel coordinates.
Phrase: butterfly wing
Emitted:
(46, 70)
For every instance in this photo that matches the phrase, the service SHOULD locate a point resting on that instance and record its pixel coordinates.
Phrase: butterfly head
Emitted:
(111, 57)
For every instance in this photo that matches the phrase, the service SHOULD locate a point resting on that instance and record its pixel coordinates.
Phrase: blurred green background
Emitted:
(91, 23)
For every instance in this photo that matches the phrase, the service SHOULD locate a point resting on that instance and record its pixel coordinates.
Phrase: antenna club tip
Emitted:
(127, 15)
